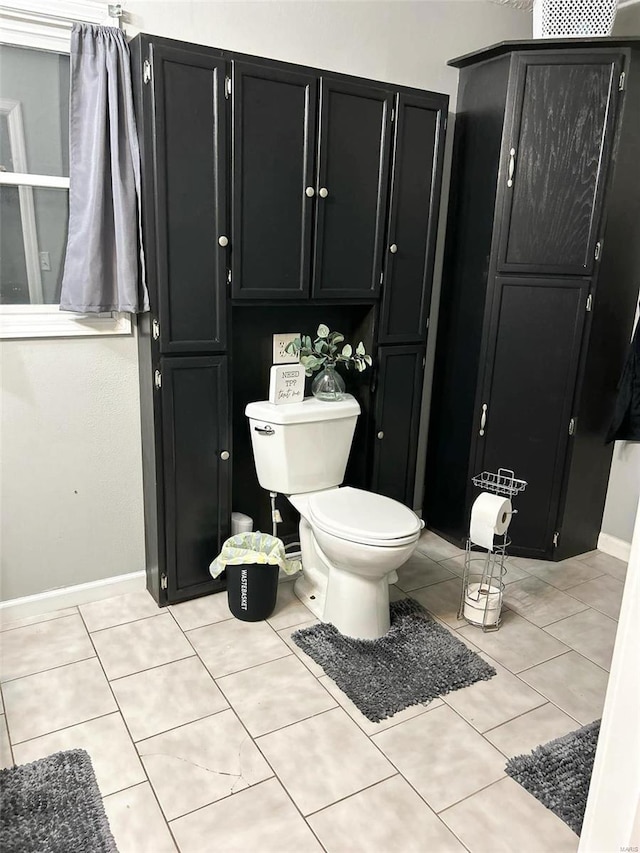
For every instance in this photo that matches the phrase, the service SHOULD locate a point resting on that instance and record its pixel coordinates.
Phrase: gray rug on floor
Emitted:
(558, 773)
(53, 805)
(415, 661)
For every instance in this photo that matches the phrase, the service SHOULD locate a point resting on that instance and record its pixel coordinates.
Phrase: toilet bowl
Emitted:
(361, 539)
(352, 541)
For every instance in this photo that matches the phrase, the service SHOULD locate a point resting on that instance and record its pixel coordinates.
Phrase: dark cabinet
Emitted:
(264, 182)
(353, 162)
(539, 286)
(418, 150)
(188, 160)
(197, 481)
(559, 148)
(416, 175)
(307, 148)
(274, 142)
(527, 394)
(396, 421)
(184, 397)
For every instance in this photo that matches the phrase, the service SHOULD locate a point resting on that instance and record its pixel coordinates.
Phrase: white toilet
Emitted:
(351, 541)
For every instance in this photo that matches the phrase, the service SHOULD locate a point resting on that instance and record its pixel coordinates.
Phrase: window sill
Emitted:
(47, 321)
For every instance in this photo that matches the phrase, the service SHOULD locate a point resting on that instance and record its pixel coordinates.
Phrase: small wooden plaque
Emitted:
(286, 384)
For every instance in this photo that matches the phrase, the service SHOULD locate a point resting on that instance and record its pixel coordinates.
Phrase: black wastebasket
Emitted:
(252, 589)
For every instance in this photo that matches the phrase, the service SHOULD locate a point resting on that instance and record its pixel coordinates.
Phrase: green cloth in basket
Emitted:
(256, 547)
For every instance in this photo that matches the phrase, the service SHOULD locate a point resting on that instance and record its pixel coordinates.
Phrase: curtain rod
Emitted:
(114, 10)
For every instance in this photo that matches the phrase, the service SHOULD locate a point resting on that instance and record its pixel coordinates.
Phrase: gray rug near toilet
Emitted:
(416, 661)
(558, 773)
(53, 805)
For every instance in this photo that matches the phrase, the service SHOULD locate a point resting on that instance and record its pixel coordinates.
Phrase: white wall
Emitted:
(623, 491)
(71, 482)
(398, 41)
(71, 491)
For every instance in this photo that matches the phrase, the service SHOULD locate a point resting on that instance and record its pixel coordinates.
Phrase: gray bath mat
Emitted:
(415, 661)
(53, 805)
(558, 773)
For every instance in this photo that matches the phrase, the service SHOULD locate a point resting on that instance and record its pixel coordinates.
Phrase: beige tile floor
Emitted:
(207, 733)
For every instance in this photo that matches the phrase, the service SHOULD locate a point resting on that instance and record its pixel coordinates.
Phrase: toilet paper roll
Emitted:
(490, 516)
(482, 604)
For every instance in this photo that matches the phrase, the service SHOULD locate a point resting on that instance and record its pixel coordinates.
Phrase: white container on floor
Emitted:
(241, 523)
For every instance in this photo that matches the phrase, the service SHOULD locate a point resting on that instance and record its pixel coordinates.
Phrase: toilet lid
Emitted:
(364, 517)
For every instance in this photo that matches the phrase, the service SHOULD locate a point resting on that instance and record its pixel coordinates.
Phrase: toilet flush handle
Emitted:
(265, 430)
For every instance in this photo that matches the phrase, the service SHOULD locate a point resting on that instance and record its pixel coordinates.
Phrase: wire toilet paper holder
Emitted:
(483, 575)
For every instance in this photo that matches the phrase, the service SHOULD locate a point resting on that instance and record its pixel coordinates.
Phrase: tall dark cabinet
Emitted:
(275, 197)
(540, 283)
(182, 342)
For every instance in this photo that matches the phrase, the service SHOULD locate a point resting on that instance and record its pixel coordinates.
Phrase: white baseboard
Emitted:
(69, 596)
(614, 546)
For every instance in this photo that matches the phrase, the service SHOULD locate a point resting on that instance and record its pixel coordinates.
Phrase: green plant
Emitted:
(325, 350)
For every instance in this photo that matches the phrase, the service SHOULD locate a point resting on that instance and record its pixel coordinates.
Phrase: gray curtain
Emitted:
(104, 264)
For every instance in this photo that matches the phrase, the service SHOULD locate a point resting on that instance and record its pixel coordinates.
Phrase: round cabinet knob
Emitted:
(310, 192)
(323, 192)
(224, 455)
(223, 241)
(381, 434)
(393, 248)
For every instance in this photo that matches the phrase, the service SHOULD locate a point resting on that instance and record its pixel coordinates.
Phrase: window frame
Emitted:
(31, 24)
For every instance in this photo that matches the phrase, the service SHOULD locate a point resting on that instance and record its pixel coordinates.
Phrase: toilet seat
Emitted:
(364, 517)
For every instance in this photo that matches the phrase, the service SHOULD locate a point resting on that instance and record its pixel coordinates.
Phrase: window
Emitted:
(34, 172)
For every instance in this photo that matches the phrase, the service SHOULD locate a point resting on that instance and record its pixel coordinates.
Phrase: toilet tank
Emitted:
(302, 447)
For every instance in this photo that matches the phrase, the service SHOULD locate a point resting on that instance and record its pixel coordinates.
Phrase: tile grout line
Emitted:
(517, 675)
(178, 726)
(560, 654)
(523, 714)
(368, 787)
(49, 669)
(370, 740)
(249, 736)
(9, 627)
(144, 769)
(277, 631)
(70, 726)
(9, 744)
(468, 797)
(122, 624)
(413, 788)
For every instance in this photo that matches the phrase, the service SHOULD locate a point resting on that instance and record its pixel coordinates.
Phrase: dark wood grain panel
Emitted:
(274, 115)
(353, 165)
(397, 420)
(190, 140)
(478, 134)
(552, 209)
(413, 219)
(537, 328)
(195, 419)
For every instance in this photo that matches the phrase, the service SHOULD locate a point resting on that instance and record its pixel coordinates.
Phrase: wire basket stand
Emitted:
(484, 571)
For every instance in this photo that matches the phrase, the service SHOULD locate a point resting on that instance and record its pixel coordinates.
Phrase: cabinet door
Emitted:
(190, 210)
(413, 220)
(556, 158)
(535, 334)
(353, 162)
(197, 479)
(397, 420)
(274, 120)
